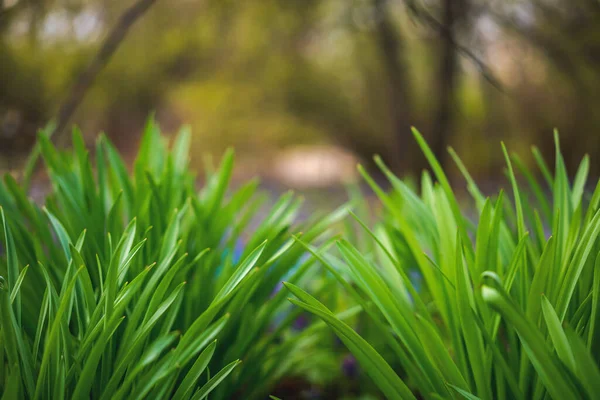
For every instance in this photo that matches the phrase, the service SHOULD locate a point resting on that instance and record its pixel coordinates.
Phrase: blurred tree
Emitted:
(454, 13)
(392, 48)
(565, 35)
(108, 47)
(264, 74)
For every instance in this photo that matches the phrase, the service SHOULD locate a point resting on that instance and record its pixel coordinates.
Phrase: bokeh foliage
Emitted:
(261, 75)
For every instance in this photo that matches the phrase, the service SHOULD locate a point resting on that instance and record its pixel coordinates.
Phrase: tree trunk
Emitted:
(390, 44)
(446, 80)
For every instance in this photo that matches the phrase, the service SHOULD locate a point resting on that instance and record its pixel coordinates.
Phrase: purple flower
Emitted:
(300, 323)
(350, 366)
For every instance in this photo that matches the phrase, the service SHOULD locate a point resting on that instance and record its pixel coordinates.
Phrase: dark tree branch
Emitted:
(107, 49)
(555, 52)
(423, 15)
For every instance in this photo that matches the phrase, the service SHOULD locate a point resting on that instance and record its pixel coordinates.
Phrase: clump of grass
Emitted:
(506, 311)
(136, 285)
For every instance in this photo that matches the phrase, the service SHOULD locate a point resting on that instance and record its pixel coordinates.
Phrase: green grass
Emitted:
(137, 285)
(505, 312)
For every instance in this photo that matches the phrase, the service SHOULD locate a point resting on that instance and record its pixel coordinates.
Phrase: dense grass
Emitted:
(136, 284)
(506, 310)
(139, 286)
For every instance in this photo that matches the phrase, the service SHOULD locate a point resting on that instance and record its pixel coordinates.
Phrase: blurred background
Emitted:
(303, 89)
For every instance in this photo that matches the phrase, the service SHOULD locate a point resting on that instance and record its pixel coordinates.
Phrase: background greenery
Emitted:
(264, 75)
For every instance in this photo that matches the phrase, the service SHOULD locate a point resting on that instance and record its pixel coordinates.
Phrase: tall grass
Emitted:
(136, 285)
(509, 303)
